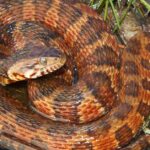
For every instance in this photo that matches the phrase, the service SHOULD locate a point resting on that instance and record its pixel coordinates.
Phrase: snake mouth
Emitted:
(34, 68)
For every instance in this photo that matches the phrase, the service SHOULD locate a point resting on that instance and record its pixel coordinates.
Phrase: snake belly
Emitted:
(104, 110)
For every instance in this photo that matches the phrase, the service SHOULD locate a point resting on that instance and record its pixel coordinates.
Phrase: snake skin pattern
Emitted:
(97, 101)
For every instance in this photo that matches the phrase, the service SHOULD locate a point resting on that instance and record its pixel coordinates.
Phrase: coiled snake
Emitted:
(99, 97)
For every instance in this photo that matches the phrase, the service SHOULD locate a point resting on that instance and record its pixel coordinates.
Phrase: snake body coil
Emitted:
(102, 109)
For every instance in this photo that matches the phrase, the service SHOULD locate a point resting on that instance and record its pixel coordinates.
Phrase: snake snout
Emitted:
(36, 65)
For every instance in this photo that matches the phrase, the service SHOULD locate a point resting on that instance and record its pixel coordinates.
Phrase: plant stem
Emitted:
(115, 14)
(124, 14)
(106, 10)
(145, 4)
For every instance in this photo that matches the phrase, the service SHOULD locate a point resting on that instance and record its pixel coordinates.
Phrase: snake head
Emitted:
(31, 64)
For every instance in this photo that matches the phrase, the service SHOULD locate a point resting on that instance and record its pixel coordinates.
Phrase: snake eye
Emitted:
(43, 61)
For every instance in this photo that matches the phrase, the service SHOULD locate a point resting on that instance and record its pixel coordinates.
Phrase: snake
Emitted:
(85, 91)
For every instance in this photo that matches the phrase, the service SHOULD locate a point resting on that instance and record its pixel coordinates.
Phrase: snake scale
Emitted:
(99, 97)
